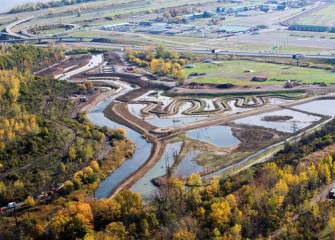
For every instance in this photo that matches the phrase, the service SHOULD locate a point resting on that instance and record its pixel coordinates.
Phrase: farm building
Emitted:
(157, 30)
(233, 29)
(243, 8)
(282, 7)
(116, 26)
(199, 15)
(145, 23)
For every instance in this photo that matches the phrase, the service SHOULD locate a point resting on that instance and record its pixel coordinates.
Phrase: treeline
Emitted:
(27, 57)
(160, 61)
(42, 5)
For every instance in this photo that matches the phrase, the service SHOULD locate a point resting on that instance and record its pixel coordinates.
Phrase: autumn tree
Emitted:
(117, 230)
(105, 211)
(131, 205)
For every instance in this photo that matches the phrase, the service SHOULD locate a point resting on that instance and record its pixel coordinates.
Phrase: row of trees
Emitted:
(41, 5)
(160, 61)
(24, 57)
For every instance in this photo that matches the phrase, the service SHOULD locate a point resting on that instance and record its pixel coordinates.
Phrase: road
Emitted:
(322, 196)
(205, 51)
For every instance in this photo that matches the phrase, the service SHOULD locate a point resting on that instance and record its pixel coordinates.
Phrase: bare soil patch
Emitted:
(63, 67)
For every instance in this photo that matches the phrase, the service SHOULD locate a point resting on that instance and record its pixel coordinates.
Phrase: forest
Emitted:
(41, 146)
(279, 197)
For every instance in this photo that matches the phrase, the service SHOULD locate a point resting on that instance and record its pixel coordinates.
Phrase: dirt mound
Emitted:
(69, 65)
(160, 181)
(276, 118)
(225, 86)
(113, 59)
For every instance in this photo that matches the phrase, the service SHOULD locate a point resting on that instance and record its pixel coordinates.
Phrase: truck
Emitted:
(216, 50)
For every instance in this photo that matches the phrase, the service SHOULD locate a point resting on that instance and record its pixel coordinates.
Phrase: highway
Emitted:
(87, 41)
(209, 51)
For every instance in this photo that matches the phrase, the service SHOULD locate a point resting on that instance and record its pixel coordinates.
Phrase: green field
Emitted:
(324, 17)
(234, 72)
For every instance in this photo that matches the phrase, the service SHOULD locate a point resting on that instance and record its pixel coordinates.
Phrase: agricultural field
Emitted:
(323, 17)
(240, 72)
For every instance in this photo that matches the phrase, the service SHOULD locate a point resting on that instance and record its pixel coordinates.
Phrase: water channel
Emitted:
(129, 166)
(144, 185)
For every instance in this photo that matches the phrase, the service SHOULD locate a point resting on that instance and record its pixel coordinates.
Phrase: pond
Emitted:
(136, 108)
(174, 121)
(324, 107)
(188, 165)
(209, 104)
(220, 136)
(155, 96)
(144, 185)
(299, 119)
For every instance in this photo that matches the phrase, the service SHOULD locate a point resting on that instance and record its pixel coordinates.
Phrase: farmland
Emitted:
(240, 72)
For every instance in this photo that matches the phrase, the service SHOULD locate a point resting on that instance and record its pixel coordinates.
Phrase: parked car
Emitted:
(11, 205)
(331, 194)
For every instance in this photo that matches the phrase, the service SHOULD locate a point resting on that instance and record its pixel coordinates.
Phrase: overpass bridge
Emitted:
(8, 38)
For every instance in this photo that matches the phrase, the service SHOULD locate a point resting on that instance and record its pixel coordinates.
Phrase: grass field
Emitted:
(324, 17)
(233, 72)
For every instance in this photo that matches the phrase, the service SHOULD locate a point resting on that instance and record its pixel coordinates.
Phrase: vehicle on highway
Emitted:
(331, 194)
(11, 205)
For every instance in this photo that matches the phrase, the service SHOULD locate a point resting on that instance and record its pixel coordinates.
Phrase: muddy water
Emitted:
(144, 186)
(209, 104)
(221, 136)
(174, 121)
(235, 109)
(129, 166)
(135, 109)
